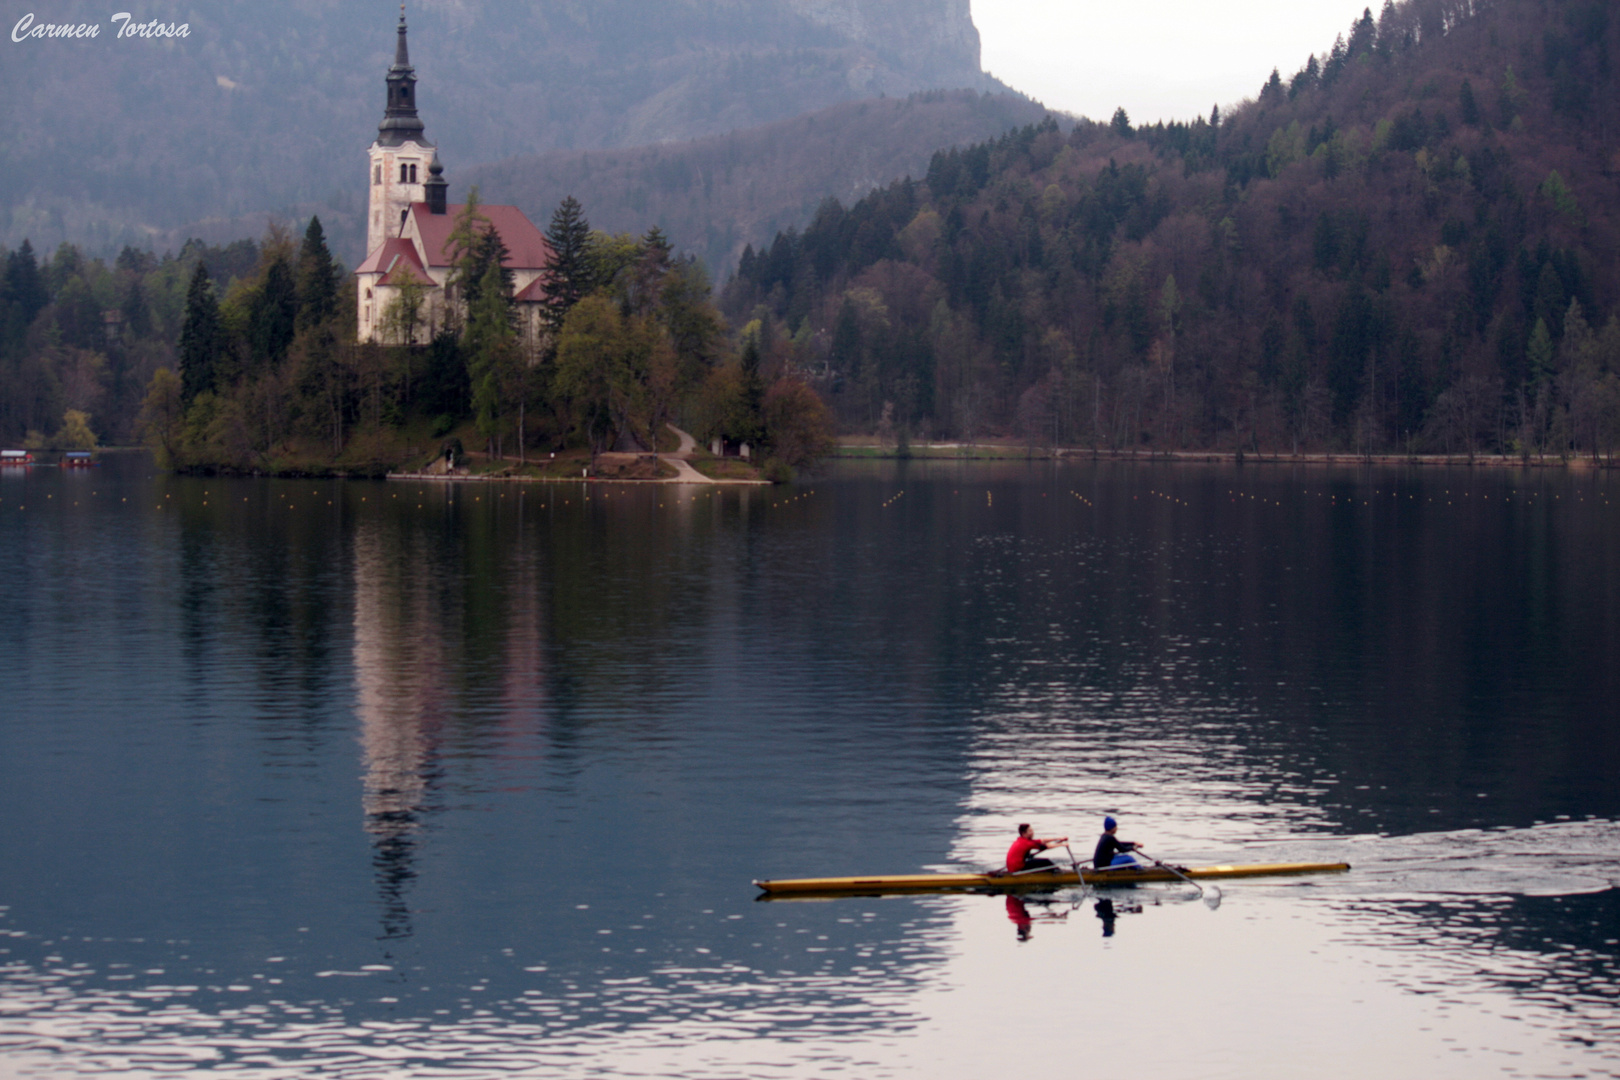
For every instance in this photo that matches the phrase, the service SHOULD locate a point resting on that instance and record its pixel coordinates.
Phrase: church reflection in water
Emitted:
(423, 637)
(399, 698)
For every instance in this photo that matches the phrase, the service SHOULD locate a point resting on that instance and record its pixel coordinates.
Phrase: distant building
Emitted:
(408, 224)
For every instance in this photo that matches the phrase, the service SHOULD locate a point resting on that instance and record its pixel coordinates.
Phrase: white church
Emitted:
(409, 224)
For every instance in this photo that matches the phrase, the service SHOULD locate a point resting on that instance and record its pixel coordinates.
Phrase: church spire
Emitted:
(400, 123)
(402, 53)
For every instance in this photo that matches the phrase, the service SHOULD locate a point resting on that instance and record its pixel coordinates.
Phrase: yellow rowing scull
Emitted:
(1042, 879)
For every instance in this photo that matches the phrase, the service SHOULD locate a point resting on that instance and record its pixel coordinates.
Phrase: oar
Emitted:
(1074, 865)
(1173, 870)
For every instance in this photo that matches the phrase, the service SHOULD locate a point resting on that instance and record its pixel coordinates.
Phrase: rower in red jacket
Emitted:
(1021, 856)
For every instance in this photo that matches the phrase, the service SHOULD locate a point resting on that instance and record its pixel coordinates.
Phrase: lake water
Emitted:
(407, 779)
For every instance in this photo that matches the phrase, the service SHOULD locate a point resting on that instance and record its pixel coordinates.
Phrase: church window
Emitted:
(413, 174)
(404, 171)
(376, 175)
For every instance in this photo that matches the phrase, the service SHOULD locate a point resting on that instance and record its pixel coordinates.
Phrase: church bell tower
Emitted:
(402, 154)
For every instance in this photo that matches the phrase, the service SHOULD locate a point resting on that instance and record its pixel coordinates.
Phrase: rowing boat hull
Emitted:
(1117, 876)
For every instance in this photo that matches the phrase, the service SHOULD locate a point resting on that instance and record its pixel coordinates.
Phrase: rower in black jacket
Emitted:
(1111, 850)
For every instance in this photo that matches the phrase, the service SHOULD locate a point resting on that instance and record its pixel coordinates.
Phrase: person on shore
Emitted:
(1021, 856)
(1111, 850)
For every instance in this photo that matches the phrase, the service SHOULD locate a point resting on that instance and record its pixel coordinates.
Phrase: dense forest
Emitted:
(1409, 243)
(78, 334)
(261, 372)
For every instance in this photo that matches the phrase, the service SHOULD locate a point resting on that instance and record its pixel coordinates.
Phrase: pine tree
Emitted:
(749, 425)
(317, 278)
(1121, 123)
(571, 275)
(1363, 34)
(199, 337)
(466, 267)
(490, 347)
(273, 314)
(1334, 65)
(1468, 106)
(25, 290)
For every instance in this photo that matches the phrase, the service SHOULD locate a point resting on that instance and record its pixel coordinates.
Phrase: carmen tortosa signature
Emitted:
(30, 29)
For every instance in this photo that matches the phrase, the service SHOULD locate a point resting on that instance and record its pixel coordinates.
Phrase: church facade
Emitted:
(408, 228)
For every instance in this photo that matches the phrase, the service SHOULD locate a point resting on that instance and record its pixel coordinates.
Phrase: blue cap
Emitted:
(1109, 823)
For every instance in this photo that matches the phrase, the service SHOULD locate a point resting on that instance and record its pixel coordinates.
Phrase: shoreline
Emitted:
(494, 479)
(999, 452)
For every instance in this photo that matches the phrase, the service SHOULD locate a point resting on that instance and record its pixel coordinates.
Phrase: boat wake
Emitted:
(1556, 859)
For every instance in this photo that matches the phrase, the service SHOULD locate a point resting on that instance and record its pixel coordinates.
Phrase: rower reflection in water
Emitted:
(1018, 914)
(1108, 911)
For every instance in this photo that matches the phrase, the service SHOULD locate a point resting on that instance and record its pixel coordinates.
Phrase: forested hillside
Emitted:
(1411, 242)
(714, 196)
(77, 333)
(269, 108)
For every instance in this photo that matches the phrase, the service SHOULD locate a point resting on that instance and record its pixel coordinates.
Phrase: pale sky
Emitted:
(1160, 59)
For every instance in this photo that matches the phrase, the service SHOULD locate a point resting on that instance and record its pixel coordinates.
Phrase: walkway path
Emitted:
(687, 474)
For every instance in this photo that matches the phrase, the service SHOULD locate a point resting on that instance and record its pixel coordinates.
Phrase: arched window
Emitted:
(413, 174)
(404, 172)
(376, 175)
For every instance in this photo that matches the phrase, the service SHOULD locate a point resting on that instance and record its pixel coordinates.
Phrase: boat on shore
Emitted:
(1054, 878)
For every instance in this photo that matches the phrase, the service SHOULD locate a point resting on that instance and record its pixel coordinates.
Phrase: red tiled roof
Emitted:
(534, 291)
(405, 267)
(526, 245)
(387, 254)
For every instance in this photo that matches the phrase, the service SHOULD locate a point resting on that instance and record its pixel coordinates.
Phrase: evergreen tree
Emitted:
(135, 310)
(749, 423)
(491, 349)
(273, 315)
(1388, 29)
(1363, 34)
(199, 337)
(1467, 104)
(1539, 353)
(25, 288)
(486, 268)
(466, 269)
(1121, 123)
(1333, 67)
(571, 270)
(317, 278)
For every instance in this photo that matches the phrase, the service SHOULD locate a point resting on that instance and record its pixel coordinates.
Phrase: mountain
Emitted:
(1413, 242)
(714, 196)
(110, 140)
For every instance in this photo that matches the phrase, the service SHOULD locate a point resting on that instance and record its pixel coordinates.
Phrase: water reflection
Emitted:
(740, 685)
(399, 674)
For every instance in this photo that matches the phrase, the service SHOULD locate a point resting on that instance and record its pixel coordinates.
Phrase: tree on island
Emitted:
(572, 273)
(199, 337)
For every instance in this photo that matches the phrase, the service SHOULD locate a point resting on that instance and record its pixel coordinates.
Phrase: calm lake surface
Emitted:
(389, 779)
